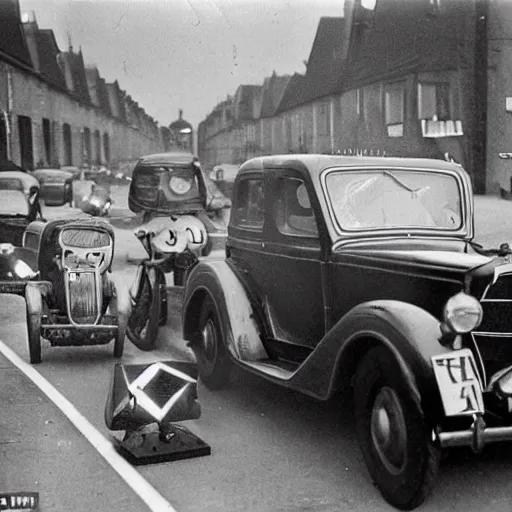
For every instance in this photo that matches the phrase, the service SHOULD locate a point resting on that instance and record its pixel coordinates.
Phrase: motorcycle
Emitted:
(171, 193)
(98, 202)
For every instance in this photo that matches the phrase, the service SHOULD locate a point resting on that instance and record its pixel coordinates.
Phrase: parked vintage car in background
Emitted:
(363, 271)
(98, 201)
(19, 205)
(223, 175)
(62, 271)
(56, 186)
(179, 226)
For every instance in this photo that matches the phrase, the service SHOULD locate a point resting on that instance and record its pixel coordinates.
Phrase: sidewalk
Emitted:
(42, 451)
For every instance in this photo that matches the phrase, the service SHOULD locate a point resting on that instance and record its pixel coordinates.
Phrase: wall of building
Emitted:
(37, 100)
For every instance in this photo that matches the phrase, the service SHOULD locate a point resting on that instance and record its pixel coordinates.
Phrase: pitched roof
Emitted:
(295, 93)
(44, 51)
(247, 99)
(325, 63)
(74, 62)
(403, 36)
(116, 100)
(97, 89)
(324, 68)
(272, 93)
(12, 37)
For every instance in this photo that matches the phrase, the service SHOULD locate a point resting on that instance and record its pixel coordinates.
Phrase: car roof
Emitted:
(317, 163)
(27, 180)
(58, 172)
(166, 158)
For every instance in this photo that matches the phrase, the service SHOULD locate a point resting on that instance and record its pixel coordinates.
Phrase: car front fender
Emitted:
(240, 331)
(410, 333)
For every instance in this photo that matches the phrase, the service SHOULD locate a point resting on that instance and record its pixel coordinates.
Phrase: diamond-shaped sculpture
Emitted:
(157, 395)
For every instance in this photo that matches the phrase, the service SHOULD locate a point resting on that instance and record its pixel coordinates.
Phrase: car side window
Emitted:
(249, 204)
(293, 213)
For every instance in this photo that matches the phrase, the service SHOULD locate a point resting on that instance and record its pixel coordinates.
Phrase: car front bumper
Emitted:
(476, 437)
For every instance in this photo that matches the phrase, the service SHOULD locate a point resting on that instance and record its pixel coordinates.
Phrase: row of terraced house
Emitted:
(417, 78)
(55, 110)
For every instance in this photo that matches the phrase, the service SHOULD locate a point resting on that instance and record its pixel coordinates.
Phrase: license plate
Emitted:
(458, 382)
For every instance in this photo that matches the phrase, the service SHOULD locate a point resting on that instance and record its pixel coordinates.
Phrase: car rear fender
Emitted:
(240, 331)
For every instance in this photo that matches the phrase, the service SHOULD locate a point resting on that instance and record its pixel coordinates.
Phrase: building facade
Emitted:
(55, 110)
(417, 78)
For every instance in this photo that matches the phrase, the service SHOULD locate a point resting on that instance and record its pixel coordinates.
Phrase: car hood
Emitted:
(455, 260)
(431, 255)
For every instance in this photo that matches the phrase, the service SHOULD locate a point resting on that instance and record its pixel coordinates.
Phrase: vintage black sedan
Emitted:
(352, 271)
(56, 186)
(19, 205)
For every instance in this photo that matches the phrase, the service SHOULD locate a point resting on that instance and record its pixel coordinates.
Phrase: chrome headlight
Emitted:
(180, 185)
(463, 313)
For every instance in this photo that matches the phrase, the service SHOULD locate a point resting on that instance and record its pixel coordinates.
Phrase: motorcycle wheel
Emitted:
(34, 308)
(145, 315)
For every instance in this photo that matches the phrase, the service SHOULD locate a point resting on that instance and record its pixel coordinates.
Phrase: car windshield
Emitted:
(394, 199)
(13, 202)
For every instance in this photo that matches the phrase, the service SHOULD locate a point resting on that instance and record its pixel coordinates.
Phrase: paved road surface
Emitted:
(272, 450)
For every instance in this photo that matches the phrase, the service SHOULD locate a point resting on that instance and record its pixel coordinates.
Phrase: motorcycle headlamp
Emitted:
(180, 184)
(462, 313)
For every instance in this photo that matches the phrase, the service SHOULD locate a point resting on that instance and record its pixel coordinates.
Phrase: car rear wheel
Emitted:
(394, 436)
(209, 349)
(34, 309)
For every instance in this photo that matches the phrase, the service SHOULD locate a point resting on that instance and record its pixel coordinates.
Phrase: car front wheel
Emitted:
(394, 436)
(34, 309)
(210, 351)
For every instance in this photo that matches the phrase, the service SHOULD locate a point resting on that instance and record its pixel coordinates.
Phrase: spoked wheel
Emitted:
(394, 436)
(209, 349)
(120, 307)
(34, 308)
(145, 315)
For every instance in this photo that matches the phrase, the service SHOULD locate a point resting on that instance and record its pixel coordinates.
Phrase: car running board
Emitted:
(278, 369)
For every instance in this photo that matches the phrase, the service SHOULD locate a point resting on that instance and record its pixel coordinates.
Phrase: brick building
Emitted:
(406, 77)
(55, 110)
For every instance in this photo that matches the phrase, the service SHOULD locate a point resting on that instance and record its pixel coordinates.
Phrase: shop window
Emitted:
(434, 101)
(394, 99)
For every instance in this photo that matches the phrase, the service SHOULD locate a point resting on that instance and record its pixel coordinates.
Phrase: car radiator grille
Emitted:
(82, 298)
(494, 335)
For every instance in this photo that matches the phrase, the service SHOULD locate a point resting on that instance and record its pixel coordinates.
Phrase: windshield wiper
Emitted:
(401, 183)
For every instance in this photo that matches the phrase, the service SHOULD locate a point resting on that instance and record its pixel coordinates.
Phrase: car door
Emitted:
(245, 229)
(293, 293)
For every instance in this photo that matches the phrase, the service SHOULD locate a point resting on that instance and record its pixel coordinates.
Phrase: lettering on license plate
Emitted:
(458, 382)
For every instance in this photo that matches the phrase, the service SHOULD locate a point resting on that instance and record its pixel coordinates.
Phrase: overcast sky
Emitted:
(190, 54)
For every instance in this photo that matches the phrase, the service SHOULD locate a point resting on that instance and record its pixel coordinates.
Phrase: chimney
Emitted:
(181, 114)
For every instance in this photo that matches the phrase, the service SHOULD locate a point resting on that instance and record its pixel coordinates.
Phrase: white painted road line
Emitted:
(153, 499)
